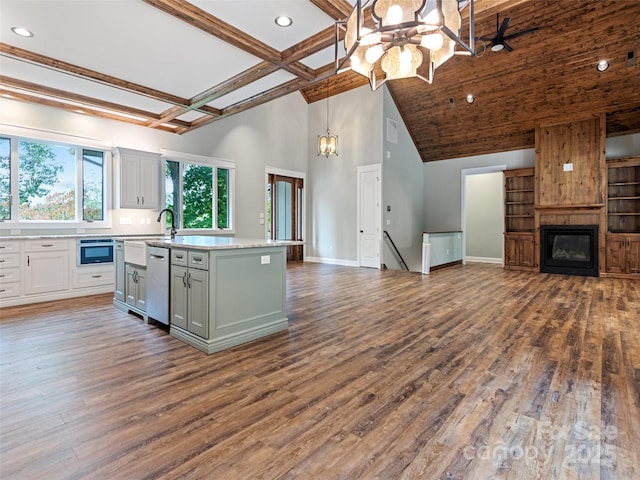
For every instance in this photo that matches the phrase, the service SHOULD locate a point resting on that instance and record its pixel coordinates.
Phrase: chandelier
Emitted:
(391, 39)
(328, 144)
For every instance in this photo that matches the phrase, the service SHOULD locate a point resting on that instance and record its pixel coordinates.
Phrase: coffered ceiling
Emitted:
(176, 66)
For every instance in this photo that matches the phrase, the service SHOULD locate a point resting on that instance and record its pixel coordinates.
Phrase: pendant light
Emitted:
(328, 144)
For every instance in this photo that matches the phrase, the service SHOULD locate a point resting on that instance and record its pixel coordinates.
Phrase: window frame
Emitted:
(215, 164)
(18, 134)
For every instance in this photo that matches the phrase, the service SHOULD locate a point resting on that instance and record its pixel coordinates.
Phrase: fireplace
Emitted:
(569, 249)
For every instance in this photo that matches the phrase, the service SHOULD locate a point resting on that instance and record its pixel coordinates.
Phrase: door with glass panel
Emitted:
(285, 207)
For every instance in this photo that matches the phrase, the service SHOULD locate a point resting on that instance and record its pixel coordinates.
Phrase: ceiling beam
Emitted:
(80, 101)
(336, 9)
(68, 68)
(37, 99)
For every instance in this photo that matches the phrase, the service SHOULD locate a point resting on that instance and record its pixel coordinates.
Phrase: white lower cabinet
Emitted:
(190, 292)
(34, 271)
(10, 269)
(93, 276)
(47, 266)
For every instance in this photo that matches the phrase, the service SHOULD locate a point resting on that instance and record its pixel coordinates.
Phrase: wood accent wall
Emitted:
(581, 145)
(576, 197)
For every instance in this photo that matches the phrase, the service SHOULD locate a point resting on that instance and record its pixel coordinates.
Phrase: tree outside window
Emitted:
(198, 194)
(5, 179)
(53, 182)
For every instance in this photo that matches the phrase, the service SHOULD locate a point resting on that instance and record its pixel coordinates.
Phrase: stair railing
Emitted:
(395, 250)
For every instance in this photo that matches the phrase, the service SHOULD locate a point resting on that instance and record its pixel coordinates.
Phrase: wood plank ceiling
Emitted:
(550, 75)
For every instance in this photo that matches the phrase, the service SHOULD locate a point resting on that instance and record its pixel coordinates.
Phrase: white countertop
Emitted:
(217, 243)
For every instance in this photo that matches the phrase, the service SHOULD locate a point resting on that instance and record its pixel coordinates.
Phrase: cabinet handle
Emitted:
(142, 197)
(96, 276)
(1, 261)
(137, 200)
(184, 279)
(28, 260)
(2, 275)
(197, 259)
(2, 247)
(2, 290)
(179, 257)
(189, 280)
(46, 245)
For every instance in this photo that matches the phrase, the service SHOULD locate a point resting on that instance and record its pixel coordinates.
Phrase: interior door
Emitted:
(369, 215)
(286, 207)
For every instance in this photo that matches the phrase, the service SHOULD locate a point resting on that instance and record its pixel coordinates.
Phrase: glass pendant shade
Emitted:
(327, 145)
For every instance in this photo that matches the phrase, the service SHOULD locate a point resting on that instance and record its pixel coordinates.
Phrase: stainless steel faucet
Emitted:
(173, 223)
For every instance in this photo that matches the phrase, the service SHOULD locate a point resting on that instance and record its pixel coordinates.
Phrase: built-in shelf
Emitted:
(623, 195)
(519, 219)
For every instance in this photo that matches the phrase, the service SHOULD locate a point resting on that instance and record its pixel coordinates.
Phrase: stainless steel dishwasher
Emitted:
(158, 284)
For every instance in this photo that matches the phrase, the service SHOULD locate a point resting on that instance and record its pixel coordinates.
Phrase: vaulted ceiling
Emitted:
(176, 66)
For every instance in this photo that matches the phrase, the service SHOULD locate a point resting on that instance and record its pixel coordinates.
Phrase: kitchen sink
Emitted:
(135, 251)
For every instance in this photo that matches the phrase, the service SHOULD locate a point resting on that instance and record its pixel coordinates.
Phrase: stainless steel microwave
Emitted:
(92, 251)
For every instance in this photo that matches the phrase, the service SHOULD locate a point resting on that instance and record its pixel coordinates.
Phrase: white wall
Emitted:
(356, 117)
(402, 191)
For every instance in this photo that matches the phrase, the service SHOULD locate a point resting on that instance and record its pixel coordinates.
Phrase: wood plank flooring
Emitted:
(471, 372)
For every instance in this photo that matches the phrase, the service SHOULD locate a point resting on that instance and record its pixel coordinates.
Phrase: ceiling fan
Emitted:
(499, 42)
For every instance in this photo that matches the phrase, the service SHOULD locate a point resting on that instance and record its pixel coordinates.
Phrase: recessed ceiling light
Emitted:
(497, 47)
(602, 65)
(283, 21)
(470, 98)
(23, 32)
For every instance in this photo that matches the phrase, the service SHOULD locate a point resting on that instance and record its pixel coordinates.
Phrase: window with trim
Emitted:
(43, 181)
(199, 195)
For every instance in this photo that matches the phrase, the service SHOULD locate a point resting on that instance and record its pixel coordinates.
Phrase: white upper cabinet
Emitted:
(137, 179)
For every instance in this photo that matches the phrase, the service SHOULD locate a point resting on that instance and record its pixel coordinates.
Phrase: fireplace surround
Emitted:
(569, 249)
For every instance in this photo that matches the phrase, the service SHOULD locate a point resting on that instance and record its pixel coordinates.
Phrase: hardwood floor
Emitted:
(471, 372)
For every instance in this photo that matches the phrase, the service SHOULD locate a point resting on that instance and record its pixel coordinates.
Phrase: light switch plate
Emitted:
(567, 167)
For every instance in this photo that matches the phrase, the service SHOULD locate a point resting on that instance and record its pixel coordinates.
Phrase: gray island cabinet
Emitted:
(225, 291)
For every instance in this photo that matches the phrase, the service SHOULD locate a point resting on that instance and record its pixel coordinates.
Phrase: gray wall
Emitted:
(356, 117)
(282, 134)
(402, 190)
(273, 134)
(442, 180)
(443, 185)
(484, 214)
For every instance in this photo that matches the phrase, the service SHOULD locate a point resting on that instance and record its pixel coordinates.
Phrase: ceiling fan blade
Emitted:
(519, 34)
(484, 39)
(507, 47)
(503, 27)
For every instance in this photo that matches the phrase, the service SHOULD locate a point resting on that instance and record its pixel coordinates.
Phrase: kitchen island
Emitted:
(225, 291)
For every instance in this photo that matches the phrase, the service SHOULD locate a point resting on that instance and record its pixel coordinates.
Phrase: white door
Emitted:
(369, 215)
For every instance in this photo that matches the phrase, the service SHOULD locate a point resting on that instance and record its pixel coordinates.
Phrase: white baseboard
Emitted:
(332, 261)
(483, 260)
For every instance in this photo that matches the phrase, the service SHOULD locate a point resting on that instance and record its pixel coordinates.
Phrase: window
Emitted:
(5, 179)
(43, 181)
(199, 195)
